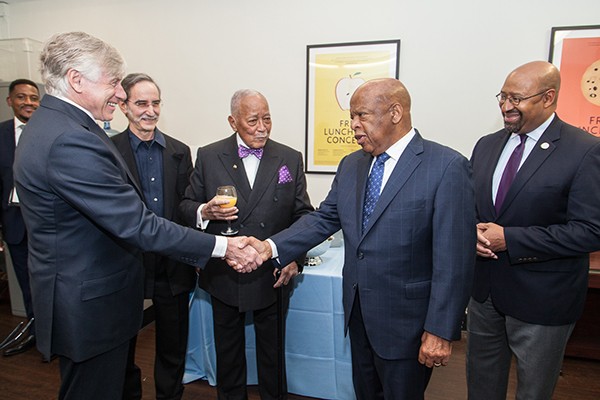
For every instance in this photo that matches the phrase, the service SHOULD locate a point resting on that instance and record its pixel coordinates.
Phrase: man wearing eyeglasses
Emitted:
(536, 184)
(162, 166)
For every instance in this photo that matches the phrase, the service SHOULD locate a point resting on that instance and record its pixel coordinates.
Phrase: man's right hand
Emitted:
(213, 211)
(240, 256)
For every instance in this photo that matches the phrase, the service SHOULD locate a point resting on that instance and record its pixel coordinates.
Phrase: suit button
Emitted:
(241, 225)
(262, 224)
(275, 198)
(354, 286)
(361, 256)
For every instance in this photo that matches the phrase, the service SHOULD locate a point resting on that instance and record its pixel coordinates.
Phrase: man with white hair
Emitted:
(87, 224)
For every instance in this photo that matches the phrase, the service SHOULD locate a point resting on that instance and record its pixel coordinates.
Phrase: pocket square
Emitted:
(284, 175)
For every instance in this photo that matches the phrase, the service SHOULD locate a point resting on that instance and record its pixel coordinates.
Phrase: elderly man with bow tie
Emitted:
(271, 195)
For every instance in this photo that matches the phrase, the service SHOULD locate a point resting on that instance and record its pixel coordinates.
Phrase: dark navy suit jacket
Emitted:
(551, 220)
(13, 227)
(413, 264)
(87, 227)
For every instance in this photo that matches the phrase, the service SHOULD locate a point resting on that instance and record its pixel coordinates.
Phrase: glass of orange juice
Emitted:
(227, 193)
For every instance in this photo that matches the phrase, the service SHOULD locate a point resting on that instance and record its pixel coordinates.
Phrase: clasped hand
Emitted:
(245, 254)
(490, 240)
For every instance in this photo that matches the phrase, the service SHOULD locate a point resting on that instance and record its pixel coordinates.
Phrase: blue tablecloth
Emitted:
(317, 353)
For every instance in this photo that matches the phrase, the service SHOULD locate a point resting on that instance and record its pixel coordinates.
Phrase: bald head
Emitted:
(380, 113)
(538, 76)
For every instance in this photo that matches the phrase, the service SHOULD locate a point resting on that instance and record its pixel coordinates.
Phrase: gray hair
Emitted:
(237, 97)
(133, 79)
(82, 52)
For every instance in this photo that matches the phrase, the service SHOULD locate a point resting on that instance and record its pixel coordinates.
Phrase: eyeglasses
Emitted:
(146, 104)
(515, 101)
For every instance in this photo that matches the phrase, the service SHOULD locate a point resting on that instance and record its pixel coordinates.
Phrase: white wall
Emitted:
(454, 55)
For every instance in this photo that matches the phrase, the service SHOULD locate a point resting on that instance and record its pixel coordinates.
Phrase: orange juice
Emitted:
(232, 200)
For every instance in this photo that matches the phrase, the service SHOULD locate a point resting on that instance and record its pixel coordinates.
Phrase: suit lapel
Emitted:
(234, 167)
(171, 161)
(493, 157)
(265, 176)
(533, 162)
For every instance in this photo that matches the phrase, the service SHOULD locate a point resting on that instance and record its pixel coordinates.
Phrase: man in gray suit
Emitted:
(271, 189)
(87, 224)
(405, 205)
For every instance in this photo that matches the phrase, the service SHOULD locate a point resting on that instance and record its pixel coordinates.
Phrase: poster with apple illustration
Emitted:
(576, 53)
(334, 72)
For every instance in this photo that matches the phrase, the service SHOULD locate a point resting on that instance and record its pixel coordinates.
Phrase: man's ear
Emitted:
(75, 78)
(397, 112)
(232, 123)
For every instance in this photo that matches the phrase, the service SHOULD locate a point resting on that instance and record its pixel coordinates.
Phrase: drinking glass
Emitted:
(227, 193)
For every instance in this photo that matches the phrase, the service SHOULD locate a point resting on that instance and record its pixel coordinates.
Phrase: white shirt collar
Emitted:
(396, 150)
(76, 105)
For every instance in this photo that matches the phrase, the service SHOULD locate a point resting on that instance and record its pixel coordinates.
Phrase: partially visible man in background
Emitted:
(87, 224)
(24, 99)
(161, 166)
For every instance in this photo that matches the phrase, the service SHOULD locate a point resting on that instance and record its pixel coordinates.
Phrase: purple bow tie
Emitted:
(244, 152)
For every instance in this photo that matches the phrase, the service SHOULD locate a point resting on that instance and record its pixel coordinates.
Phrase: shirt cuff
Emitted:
(220, 247)
(274, 252)
(200, 223)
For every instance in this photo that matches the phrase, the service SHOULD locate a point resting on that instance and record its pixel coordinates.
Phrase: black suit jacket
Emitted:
(177, 167)
(87, 227)
(268, 208)
(13, 227)
(551, 220)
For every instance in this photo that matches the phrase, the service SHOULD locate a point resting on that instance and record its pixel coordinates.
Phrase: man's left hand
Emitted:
(435, 351)
(287, 274)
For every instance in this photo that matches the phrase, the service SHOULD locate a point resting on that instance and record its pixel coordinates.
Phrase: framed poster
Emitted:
(333, 73)
(575, 50)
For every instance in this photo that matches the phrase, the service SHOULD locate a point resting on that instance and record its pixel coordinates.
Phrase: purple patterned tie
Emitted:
(512, 166)
(244, 152)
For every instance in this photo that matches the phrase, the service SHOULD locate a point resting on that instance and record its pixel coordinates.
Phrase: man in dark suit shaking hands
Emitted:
(404, 205)
(24, 99)
(271, 195)
(162, 166)
(538, 208)
(87, 223)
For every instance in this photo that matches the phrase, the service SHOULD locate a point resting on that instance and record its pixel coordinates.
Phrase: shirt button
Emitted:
(155, 199)
(152, 179)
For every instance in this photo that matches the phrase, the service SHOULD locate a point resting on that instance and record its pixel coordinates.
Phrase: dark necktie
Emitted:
(373, 187)
(510, 171)
(244, 152)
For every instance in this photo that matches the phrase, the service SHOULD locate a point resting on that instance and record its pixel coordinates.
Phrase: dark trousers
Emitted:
(99, 378)
(171, 323)
(377, 378)
(18, 256)
(230, 343)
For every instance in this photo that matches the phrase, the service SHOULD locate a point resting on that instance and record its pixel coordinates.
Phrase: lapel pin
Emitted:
(544, 146)
(234, 166)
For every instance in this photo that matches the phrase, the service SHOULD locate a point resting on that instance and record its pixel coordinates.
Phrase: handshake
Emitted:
(246, 253)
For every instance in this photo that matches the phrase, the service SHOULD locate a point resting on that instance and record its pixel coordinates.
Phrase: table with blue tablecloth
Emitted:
(317, 353)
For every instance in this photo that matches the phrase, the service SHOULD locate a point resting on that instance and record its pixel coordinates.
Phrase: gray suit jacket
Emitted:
(86, 224)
